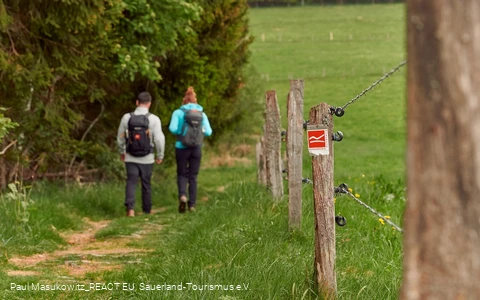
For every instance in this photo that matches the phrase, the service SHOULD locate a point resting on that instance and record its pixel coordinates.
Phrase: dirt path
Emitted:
(84, 254)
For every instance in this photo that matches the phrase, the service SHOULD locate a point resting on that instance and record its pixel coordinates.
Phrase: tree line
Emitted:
(70, 69)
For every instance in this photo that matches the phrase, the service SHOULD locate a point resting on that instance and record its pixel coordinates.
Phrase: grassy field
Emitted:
(76, 241)
(367, 41)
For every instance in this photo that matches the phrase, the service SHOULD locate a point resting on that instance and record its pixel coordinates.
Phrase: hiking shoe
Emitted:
(130, 213)
(183, 204)
(191, 209)
(182, 207)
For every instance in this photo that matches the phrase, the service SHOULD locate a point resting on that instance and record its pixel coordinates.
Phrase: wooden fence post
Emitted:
(295, 153)
(273, 140)
(323, 190)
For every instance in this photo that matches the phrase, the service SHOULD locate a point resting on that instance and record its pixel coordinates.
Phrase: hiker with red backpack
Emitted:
(139, 134)
(190, 124)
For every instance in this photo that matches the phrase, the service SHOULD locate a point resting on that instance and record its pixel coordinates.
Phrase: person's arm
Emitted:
(121, 142)
(206, 125)
(174, 126)
(158, 138)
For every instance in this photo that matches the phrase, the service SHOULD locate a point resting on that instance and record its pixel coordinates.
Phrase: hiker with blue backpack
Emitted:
(190, 125)
(139, 134)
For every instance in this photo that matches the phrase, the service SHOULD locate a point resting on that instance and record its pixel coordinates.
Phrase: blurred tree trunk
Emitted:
(442, 219)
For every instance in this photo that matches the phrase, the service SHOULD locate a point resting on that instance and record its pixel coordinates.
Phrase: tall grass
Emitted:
(26, 225)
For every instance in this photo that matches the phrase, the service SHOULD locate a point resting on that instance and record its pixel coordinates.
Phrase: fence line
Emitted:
(320, 123)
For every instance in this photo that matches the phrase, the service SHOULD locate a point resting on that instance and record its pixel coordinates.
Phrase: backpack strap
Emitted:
(148, 129)
(131, 115)
(129, 119)
(179, 136)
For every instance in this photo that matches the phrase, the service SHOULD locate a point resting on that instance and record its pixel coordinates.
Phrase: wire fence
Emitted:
(339, 111)
(343, 188)
(374, 84)
(336, 136)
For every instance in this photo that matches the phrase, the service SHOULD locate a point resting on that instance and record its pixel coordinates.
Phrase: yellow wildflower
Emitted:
(357, 195)
(350, 190)
(387, 217)
(381, 221)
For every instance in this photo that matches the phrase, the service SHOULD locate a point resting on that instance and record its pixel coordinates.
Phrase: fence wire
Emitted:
(374, 84)
(346, 191)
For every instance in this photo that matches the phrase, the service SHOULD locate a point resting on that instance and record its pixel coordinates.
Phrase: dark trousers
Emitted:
(188, 166)
(134, 172)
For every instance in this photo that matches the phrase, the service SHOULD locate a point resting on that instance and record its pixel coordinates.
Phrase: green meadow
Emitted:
(339, 51)
(73, 242)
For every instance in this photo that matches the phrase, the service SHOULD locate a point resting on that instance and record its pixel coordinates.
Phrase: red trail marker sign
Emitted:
(317, 136)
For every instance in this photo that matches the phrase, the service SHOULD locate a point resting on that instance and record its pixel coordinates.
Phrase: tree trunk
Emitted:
(442, 219)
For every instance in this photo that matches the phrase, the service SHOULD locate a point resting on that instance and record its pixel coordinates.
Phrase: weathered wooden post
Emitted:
(273, 140)
(320, 147)
(295, 153)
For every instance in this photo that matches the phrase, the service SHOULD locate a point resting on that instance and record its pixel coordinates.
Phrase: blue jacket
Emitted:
(178, 118)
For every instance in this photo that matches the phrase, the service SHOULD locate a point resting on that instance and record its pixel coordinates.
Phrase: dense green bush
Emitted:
(70, 70)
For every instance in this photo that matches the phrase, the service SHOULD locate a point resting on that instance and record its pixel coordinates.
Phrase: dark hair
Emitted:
(144, 97)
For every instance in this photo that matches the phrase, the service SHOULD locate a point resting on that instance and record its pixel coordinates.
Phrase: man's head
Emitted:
(144, 99)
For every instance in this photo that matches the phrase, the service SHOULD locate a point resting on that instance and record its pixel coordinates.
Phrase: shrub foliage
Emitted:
(70, 69)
